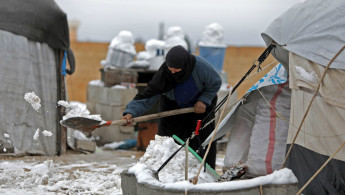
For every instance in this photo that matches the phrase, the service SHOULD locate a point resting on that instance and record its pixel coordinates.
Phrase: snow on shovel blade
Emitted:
(81, 123)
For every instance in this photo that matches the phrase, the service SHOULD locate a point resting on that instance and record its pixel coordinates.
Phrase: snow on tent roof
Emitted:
(312, 29)
(41, 21)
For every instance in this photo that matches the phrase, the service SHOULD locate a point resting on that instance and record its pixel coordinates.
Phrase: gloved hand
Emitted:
(128, 117)
(199, 107)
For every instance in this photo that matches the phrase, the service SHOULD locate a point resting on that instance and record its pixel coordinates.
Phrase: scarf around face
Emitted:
(164, 80)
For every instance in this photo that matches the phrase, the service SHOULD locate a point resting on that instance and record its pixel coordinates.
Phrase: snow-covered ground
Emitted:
(97, 173)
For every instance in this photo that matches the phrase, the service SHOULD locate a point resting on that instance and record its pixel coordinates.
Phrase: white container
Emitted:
(118, 58)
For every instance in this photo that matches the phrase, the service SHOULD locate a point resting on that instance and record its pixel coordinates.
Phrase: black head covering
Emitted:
(164, 80)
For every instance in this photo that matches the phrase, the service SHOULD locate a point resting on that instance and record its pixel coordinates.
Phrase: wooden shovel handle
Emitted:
(154, 116)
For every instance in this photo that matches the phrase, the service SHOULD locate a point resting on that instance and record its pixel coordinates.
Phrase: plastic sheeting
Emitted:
(313, 29)
(27, 66)
(259, 131)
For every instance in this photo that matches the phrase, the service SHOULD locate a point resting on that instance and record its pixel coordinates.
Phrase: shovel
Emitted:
(88, 125)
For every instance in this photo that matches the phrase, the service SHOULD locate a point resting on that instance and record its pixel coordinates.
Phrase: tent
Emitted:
(308, 36)
(34, 42)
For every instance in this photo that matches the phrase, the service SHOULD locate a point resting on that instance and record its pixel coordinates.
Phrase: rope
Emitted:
(261, 59)
(311, 101)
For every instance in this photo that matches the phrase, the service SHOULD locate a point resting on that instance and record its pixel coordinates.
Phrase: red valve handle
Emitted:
(198, 127)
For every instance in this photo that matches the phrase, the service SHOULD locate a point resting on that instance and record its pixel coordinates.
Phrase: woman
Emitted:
(183, 80)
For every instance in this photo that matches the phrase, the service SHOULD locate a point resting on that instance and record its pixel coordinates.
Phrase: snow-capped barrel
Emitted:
(212, 46)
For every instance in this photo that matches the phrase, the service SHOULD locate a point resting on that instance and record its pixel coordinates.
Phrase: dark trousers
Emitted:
(184, 125)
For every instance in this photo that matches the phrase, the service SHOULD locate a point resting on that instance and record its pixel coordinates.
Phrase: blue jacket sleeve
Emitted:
(209, 80)
(138, 107)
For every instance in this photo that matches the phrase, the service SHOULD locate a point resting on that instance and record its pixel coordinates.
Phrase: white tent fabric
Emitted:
(323, 129)
(27, 66)
(313, 29)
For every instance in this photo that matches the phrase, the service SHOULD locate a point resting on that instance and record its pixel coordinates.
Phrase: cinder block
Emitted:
(92, 91)
(102, 96)
(85, 145)
(108, 112)
(91, 107)
(113, 134)
(119, 97)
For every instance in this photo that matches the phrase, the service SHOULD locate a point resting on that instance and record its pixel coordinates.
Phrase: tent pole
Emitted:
(311, 101)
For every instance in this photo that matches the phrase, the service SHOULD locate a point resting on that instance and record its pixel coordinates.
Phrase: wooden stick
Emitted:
(317, 172)
(186, 166)
(311, 101)
(154, 116)
(195, 179)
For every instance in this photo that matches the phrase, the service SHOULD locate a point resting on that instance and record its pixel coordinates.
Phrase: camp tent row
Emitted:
(307, 37)
(34, 43)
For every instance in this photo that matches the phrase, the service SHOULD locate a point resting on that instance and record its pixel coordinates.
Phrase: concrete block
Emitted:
(102, 96)
(92, 91)
(113, 134)
(109, 112)
(91, 107)
(85, 145)
(119, 97)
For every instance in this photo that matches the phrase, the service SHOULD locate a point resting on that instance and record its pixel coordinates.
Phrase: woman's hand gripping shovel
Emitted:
(196, 133)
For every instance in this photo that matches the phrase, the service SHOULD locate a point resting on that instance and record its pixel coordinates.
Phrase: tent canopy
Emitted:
(312, 29)
(41, 21)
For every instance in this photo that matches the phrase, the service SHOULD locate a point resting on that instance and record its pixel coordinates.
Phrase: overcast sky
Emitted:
(243, 20)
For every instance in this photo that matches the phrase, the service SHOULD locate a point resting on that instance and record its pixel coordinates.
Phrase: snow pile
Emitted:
(19, 177)
(121, 50)
(124, 41)
(213, 36)
(77, 109)
(172, 175)
(152, 46)
(174, 36)
(158, 151)
(33, 99)
(307, 76)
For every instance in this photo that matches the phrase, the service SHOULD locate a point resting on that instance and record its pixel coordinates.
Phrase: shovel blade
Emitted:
(81, 123)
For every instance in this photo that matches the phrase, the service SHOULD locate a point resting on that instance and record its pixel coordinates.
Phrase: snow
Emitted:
(48, 177)
(113, 145)
(173, 37)
(97, 83)
(172, 176)
(308, 76)
(124, 41)
(158, 151)
(36, 135)
(33, 99)
(152, 45)
(77, 109)
(213, 36)
(47, 133)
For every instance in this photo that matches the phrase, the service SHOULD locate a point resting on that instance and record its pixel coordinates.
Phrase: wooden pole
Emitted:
(195, 179)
